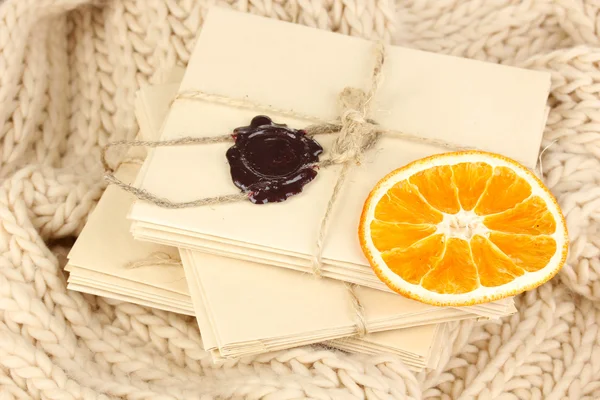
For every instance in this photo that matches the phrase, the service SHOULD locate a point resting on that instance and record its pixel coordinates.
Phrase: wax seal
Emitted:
(271, 161)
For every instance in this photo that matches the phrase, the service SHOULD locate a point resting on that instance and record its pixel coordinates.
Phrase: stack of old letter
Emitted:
(244, 270)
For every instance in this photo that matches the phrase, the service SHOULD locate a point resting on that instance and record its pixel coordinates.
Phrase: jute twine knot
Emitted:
(357, 133)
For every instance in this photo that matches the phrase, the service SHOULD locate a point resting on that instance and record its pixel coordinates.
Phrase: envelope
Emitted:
(231, 293)
(153, 108)
(467, 102)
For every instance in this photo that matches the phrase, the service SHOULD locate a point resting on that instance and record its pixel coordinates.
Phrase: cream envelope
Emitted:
(226, 291)
(389, 342)
(123, 297)
(83, 277)
(153, 107)
(417, 346)
(107, 247)
(470, 103)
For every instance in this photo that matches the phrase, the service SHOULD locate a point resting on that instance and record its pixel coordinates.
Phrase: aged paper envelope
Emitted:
(217, 284)
(109, 247)
(156, 102)
(399, 341)
(471, 103)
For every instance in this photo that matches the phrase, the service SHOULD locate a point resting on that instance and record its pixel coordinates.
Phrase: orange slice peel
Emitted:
(463, 228)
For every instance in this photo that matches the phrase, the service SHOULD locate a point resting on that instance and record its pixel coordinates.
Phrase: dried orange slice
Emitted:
(463, 228)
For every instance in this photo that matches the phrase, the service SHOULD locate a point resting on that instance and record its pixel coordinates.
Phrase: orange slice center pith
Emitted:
(453, 229)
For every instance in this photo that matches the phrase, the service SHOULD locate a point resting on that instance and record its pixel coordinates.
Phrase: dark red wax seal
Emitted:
(270, 161)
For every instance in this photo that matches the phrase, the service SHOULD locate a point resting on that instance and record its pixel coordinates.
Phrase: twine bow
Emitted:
(356, 134)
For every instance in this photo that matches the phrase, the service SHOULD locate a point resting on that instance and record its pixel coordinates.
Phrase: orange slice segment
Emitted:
(393, 235)
(462, 228)
(437, 187)
(414, 262)
(531, 217)
(504, 190)
(404, 203)
(528, 252)
(446, 278)
(471, 179)
(493, 266)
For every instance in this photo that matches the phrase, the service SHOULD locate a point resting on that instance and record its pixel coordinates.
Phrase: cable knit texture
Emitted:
(69, 70)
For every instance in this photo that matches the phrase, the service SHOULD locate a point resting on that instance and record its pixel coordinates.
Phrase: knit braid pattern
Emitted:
(69, 70)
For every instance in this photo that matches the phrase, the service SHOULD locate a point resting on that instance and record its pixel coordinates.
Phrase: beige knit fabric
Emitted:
(68, 73)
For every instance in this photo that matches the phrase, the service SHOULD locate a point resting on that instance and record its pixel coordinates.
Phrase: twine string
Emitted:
(159, 143)
(157, 258)
(142, 194)
(246, 104)
(356, 134)
(317, 261)
(540, 167)
(359, 310)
